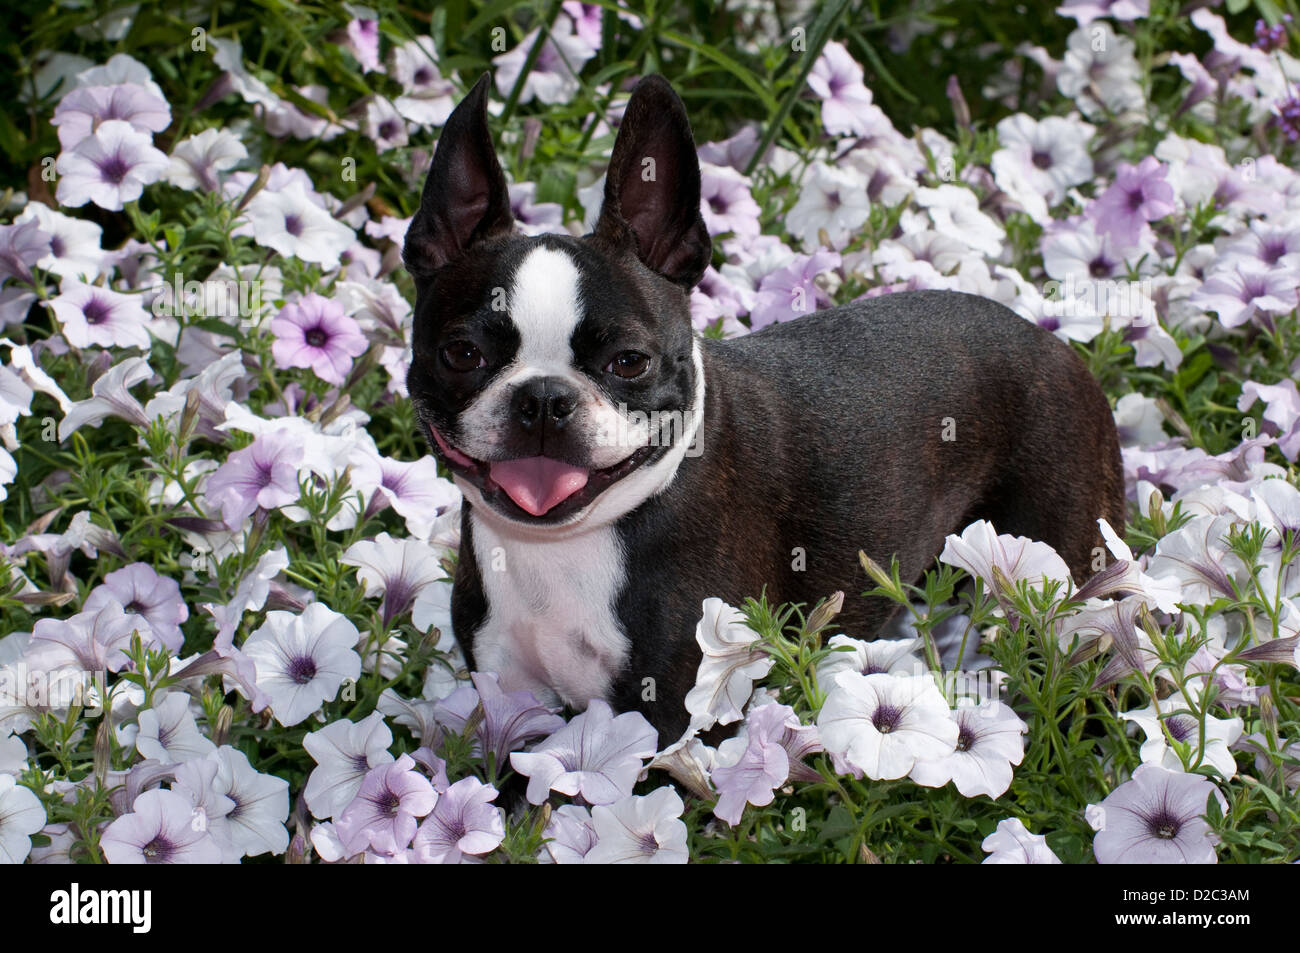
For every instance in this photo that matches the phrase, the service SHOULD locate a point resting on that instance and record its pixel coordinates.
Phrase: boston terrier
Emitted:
(618, 468)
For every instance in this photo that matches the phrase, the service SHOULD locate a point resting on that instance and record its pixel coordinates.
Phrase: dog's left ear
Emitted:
(465, 198)
(652, 191)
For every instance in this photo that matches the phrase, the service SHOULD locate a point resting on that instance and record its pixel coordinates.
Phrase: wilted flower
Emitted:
(509, 718)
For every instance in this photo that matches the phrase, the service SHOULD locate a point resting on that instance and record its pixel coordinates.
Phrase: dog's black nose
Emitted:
(544, 401)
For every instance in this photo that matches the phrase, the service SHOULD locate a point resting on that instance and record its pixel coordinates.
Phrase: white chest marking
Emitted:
(551, 625)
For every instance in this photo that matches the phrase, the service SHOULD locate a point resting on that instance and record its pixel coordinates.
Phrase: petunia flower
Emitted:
(302, 660)
(1012, 843)
(91, 315)
(82, 110)
(640, 830)
(463, 822)
(988, 744)
(509, 719)
(109, 167)
(290, 222)
(791, 291)
(596, 756)
(255, 805)
(1139, 194)
(314, 332)
(344, 753)
(112, 398)
(427, 96)
(569, 835)
(832, 200)
(74, 243)
(21, 816)
(553, 78)
(141, 591)
(837, 79)
(168, 732)
(396, 569)
(1157, 817)
(882, 725)
(195, 161)
(159, 830)
(384, 814)
(895, 656)
(980, 549)
(264, 474)
(732, 661)
(751, 766)
(1173, 714)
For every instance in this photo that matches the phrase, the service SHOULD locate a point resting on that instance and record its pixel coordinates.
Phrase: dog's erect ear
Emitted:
(652, 192)
(465, 198)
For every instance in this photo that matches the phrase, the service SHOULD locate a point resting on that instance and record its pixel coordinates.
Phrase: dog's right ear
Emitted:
(465, 199)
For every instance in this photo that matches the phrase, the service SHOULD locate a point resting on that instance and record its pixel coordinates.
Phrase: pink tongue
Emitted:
(538, 483)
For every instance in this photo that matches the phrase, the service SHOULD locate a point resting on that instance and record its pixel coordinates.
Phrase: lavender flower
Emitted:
(168, 732)
(463, 821)
(91, 315)
(732, 661)
(141, 591)
(314, 332)
(596, 756)
(509, 719)
(640, 830)
(553, 79)
(751, 766)
(263, 474)
(383, 816)
(109, 167)
(1157, 817)
(160, 830)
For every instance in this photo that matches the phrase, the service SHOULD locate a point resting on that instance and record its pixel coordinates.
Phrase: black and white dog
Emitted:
(618, 469)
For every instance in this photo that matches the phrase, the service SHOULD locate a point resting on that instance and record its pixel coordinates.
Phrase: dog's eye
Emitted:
(463, 356)
(628, 364)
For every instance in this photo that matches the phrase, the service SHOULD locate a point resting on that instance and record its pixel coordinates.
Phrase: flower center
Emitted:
(316, 337)
(96, 311)
(965, 739)
(1134, 201)
(387, 129)
(1164, 825)
(302, 669)
(886, 718)
(158, 851)
(1099, 268)
(422, 76)
(293, 225)
(113, 169)
(388, 803)
(648, 844)
(1041, 159)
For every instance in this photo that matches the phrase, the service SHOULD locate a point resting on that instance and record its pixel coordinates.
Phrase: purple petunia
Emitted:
(384, 814)
(464, 821)
(314, 332)
(109, 167)
(263, 474)
(159, 830)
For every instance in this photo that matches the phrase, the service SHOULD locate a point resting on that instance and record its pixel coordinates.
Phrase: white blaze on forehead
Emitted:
(546, 307)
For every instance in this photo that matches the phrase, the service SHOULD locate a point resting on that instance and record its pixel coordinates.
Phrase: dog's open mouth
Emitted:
(540, 488)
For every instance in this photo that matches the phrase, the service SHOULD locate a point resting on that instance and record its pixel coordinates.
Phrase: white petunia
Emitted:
(303, 660)
(882, 725)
